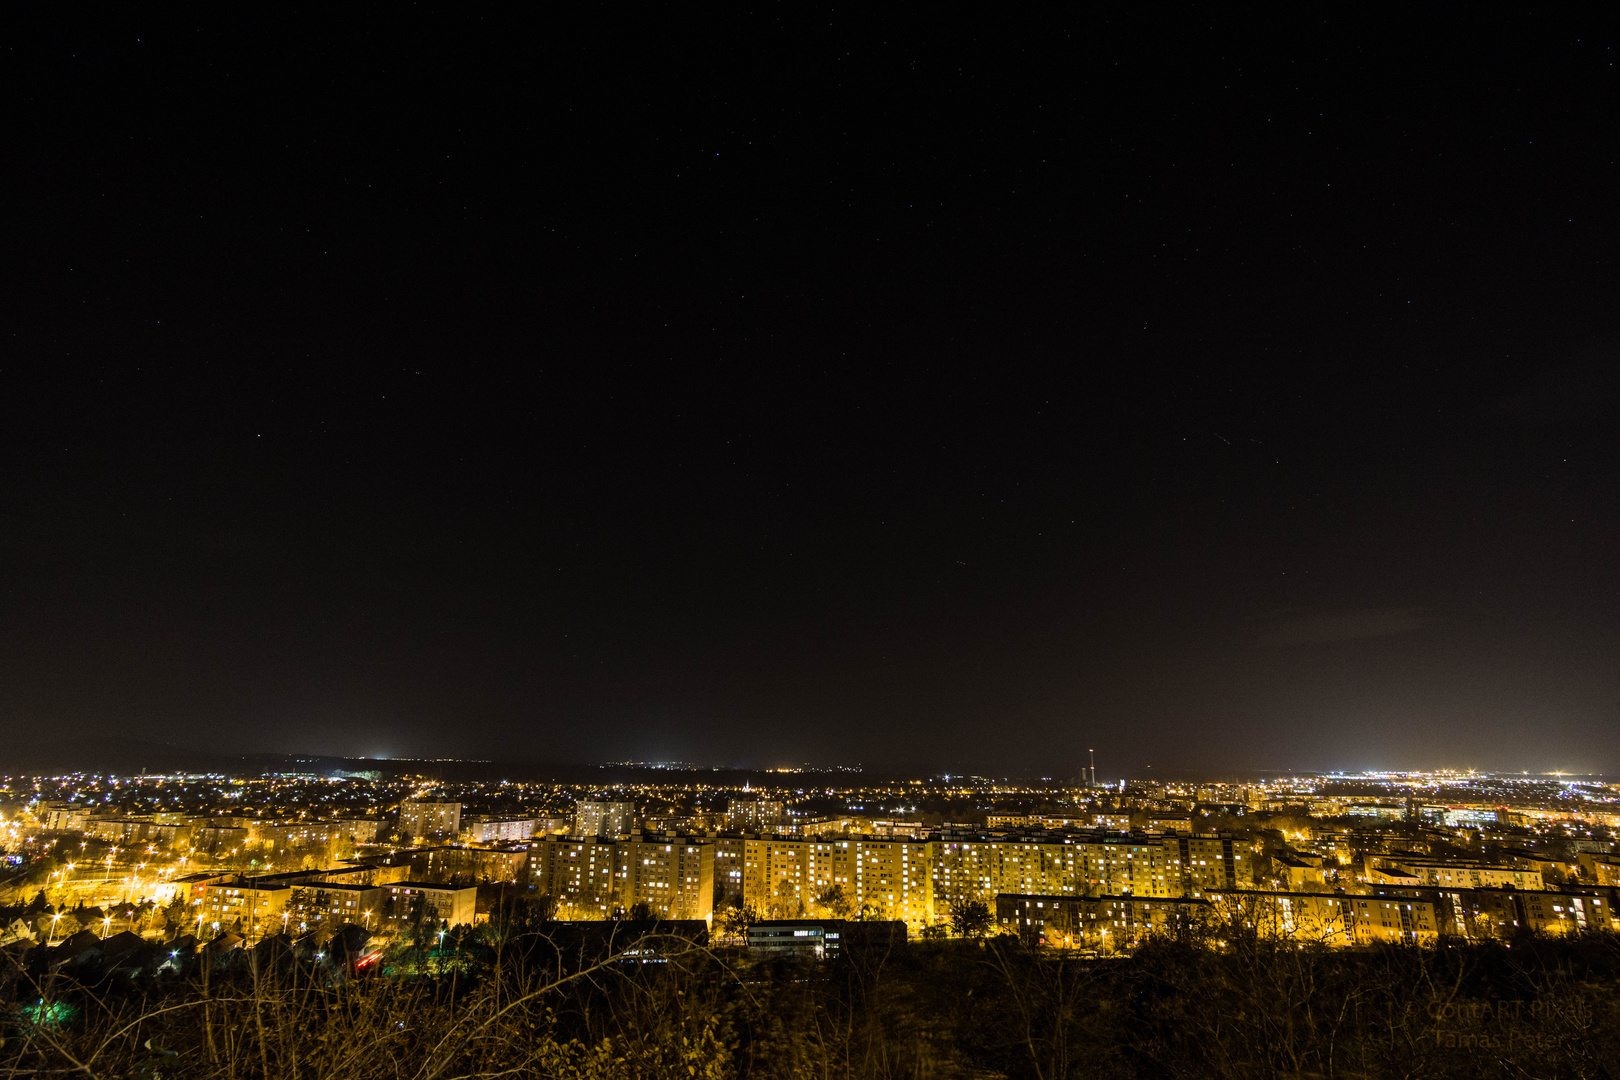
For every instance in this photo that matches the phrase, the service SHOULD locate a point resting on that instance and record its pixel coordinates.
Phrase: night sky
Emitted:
(782, 386)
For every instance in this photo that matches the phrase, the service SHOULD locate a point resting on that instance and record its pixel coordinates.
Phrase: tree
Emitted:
(835, 902)
(733, 920)
(971, 919)
(788, 904)
(175, 915)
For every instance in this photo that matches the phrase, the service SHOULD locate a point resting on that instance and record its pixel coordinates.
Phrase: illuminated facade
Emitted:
(242, 905)
(754, 815)
(424, 819)
(728, 869)
(672, 875)
(580, 873)
(1097, 922)
(982, 868)
(493, 830)
(1308, 918)
(596, 817)
(1208, 862)
(595, 877)
(409, 902)
(1467, 874)
(327, 905)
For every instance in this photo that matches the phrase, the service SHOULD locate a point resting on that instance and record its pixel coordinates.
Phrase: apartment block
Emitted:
(1407, 920)
(728, 869)
(323, 905)
(408, 902)
(499, 830)
(1467, 874)
(1482, 914)
(981, 868)
(471, 865)
(63, 817)
(361, 829)
(594, 877)
(425, 819)
(755, 815)
(249, 906)
(1208, 862)
(1096, 922)
(885, 877)
(581, 873)
(1288, 915)
(672, 875)
(285, 836)
(596, 817)
(1601, 867)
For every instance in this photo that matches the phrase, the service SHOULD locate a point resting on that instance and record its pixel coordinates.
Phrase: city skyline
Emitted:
(782, 541)
(177, 884)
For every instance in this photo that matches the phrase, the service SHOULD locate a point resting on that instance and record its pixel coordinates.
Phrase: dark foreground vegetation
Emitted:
(477, 1006)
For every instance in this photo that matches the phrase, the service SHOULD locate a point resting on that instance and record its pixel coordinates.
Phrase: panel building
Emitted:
(595, 877)
(594, 817)
(1469, 874)
(425, 819)
(755, 815)
(483, 829)
(882, 877)
(968, 869)
(728, 870)
(1097, 922)
(249, 906)
(322, 905)
(406, 903)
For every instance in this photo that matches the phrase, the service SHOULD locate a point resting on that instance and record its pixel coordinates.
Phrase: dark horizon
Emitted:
(814, 388)
(130, 760)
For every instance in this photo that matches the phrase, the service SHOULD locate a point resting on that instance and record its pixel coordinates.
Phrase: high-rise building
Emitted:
(63, 817)
(728, 869)
(882, 878)
(672, 875)
(754, 815)
(594, 817)
(425, 819)
(486, 829)
(594, 876)
(1209, 862)
(581, 873)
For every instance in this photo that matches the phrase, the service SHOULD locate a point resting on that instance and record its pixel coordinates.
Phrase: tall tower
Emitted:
(1093, 754)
